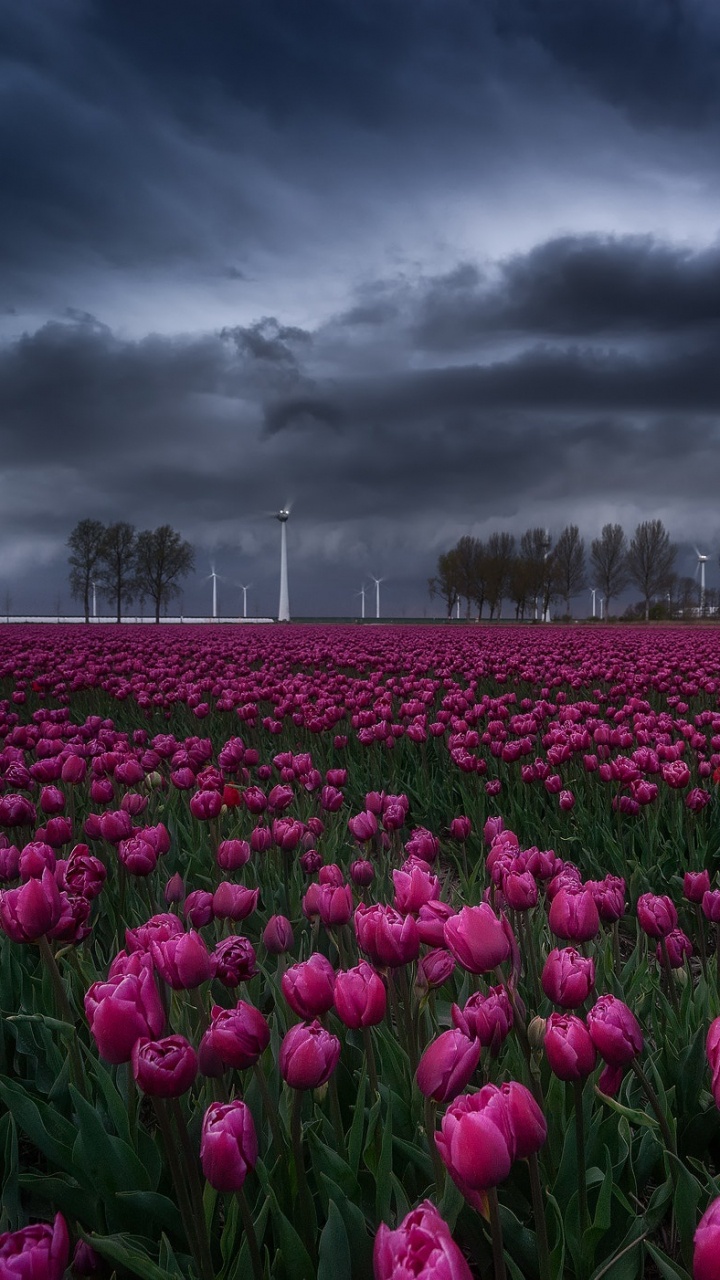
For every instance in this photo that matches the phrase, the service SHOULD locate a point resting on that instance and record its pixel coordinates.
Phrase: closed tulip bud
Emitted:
(706, 1255)
(9, 863)
(477, 939)
(434, 969)
(164, 1068)
(234, 961)
(334, 905)
(308, 1055)
(309, 987)
(74, 769)
(360, 996)
(615, 1031)
(255, 800)
(460, 828)
(182, 961)
(695, 885)
(278, 935)
(447, 1065)
(261, 839)
(431, 920)
(234, 901)
(566, 801)
(678, 947)
(488, 1018)
(476, 1142)
(85, 1261)
(122, 1009)
(656, 914)
(233, 854)
(38, 1252)
(30, 912)
(228, 1145)
(568, 1047)
(362, 872)
(238, 1036)
(421, 1246)
(52, 800)
(331, 800)
(206, 805)
(711, 905)
(387, 937)
(198, 908)
(174, 890)
(574, 916)
(520, 889)
(536, 1032)
(331, 874)
(527, 1121)
(568, 977)
(363, 826)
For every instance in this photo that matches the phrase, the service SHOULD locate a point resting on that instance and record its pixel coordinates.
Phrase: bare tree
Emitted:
(608, 556)
(162, 558)
(569, 564)
(499, 556)
(86, 546)
(446, 581)
(116, 575)
(535, 546)
(650, 560)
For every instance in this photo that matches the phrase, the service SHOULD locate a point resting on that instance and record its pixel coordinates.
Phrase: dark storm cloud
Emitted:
(576, 286)
(657, 59)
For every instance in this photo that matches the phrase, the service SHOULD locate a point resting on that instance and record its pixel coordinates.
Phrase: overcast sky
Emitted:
(420, 267)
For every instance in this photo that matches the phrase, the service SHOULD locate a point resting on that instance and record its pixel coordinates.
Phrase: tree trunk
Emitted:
(157, 609)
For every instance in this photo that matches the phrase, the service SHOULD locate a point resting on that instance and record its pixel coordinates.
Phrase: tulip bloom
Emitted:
(334, 904)
(363, 826)
(476, 1141)
(30, 912)
(477, 938)
(182, 961)
(527, 1121)
(234, 901)
(574, 916)
(308, 1055)
(309, 987)
(360, 996)
(278, 935)
(447, 1065)
(228, 1144)
(237, 1036)
(568, 977)
(122, 1009)
(421, 1246)
(656, 914)
(37, 1252)
(164, 1068)
(706, 1257)
(387, 937)
(695, 884)
(615, 1031)
(568, 1047)
(486, 1018)
(234, 961)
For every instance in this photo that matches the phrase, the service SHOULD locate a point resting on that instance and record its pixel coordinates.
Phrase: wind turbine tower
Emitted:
(244, 590)
(702, 561)
(593, 593)
(214, 577)
(284, 604)
(377, 582)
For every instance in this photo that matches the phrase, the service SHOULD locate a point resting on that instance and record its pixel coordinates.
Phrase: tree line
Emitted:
(534, 572)
(124, 565)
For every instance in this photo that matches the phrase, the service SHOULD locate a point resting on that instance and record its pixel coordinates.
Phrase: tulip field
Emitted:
(354, 952)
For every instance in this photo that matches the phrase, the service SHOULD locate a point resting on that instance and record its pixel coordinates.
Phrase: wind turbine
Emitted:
(593, 593)
(212, 574)
(377, 582)
(94, 587)
(702, 561)
(361, 594)
(244, 590)
(602, 601)
(283, 515)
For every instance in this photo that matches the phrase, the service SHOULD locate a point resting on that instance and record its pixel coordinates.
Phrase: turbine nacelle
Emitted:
(282, 515)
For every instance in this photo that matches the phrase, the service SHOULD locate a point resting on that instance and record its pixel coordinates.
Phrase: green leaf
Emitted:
(10, 1199)
(298, 1265)
(127, 1253)
(632, 1113)
(688, 1193)
(357, 1127)
(65, 1194)
(158, 1211)
(334, 1261)
(668, 1270)
(383, 1188)
(356, 1228)
(108, 1162)
(51, 1132)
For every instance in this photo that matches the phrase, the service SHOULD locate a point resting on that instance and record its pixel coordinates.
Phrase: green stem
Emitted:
(701, 939)
(270, 1109)
(430, 1110)
(337, 1117)
(499, 1271)
(370, 1058)
(306, 1208)
(669, 977)
(541, 1236)
(249, 1229)
(654, 1101)
(409, 1022)
(64, 1012)
(194, 1183)
(580, 1153)
(180, 1185)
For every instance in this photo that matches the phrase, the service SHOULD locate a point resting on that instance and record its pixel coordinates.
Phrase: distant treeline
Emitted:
(534, 572)
(121, 565)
